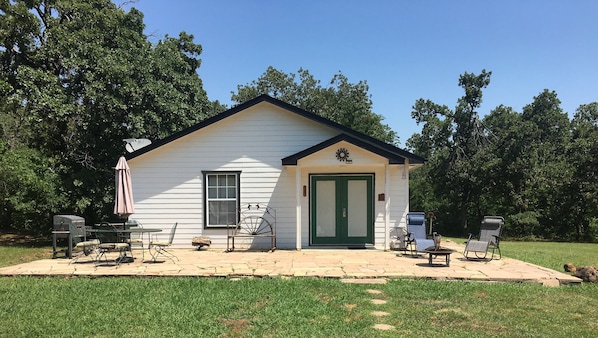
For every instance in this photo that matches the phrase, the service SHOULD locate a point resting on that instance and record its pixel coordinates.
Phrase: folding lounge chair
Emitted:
(489, 239)
(416, 228)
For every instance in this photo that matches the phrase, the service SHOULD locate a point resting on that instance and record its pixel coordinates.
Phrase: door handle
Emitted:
(344, 212)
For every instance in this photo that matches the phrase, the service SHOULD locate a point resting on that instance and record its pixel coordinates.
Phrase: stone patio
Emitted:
(323, 263)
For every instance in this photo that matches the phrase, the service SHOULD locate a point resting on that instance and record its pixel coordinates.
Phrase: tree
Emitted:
(530, 175)
(583, 189)
(534, 170)
(30, 189)
(77, 77)
(542, 165)
(509, 177)
(342, 102)
(456, 145)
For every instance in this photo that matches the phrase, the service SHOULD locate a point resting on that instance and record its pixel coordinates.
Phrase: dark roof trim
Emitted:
(393, 158)
(355, 136)
(196, 127)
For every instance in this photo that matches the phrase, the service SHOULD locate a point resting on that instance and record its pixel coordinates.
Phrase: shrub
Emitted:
(29, 190)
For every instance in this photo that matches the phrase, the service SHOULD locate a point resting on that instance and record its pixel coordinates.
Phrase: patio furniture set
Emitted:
(256, 221)
(105, 238)
(481, 247)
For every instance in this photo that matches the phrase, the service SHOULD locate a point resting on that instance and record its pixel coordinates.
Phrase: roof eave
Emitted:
(393, 158)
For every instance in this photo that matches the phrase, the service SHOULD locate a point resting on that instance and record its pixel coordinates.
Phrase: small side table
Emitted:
(432, 251)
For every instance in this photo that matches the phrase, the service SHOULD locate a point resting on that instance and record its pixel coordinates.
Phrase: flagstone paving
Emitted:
(324, 263)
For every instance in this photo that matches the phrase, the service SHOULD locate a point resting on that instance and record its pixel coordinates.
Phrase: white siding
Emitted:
(324, 162)
(168, 181)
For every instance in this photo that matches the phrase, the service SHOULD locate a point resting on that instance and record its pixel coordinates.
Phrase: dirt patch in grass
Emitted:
(14, 239)
(237, 327)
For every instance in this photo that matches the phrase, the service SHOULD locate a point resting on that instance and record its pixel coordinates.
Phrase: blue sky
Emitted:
(405, 50)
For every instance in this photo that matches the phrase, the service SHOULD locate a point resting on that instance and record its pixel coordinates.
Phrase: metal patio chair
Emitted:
(488, 239)
(109, 242)
(160, 247)
(135, 239)
(87, 248)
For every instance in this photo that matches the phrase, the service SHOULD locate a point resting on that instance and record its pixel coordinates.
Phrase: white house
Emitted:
(329, 185)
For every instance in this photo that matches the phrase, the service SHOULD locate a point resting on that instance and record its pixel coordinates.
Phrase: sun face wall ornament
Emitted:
(342, 154)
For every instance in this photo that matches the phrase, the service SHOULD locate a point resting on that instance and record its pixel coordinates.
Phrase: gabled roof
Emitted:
(394, 154)
(393, 158)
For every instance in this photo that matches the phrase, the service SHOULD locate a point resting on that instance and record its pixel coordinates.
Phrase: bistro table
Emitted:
(121, 231)
(440, 251)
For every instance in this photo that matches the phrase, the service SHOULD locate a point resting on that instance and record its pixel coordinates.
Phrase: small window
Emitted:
(222, 198)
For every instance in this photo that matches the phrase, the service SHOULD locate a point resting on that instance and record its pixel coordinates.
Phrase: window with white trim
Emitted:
(222, 198)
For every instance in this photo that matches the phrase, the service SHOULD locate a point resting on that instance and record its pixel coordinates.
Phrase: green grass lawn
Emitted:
(15, 249)
(551, 255)
(299, 307)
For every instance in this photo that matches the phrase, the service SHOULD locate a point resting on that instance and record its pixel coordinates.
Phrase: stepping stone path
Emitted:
(380, 314)
(384, 327)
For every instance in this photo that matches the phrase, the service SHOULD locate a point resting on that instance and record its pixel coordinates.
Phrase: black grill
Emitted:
(74, 224)
(70, 227)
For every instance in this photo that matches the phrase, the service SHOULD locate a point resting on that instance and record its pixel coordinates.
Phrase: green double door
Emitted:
(342, 210)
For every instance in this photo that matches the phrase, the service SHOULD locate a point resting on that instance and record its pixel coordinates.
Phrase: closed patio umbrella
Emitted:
(123, 202)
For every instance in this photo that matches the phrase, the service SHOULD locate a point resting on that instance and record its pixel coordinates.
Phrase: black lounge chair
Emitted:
(489, 239)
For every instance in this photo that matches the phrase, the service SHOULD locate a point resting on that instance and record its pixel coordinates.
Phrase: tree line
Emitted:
(78, 77)
(536, 167)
